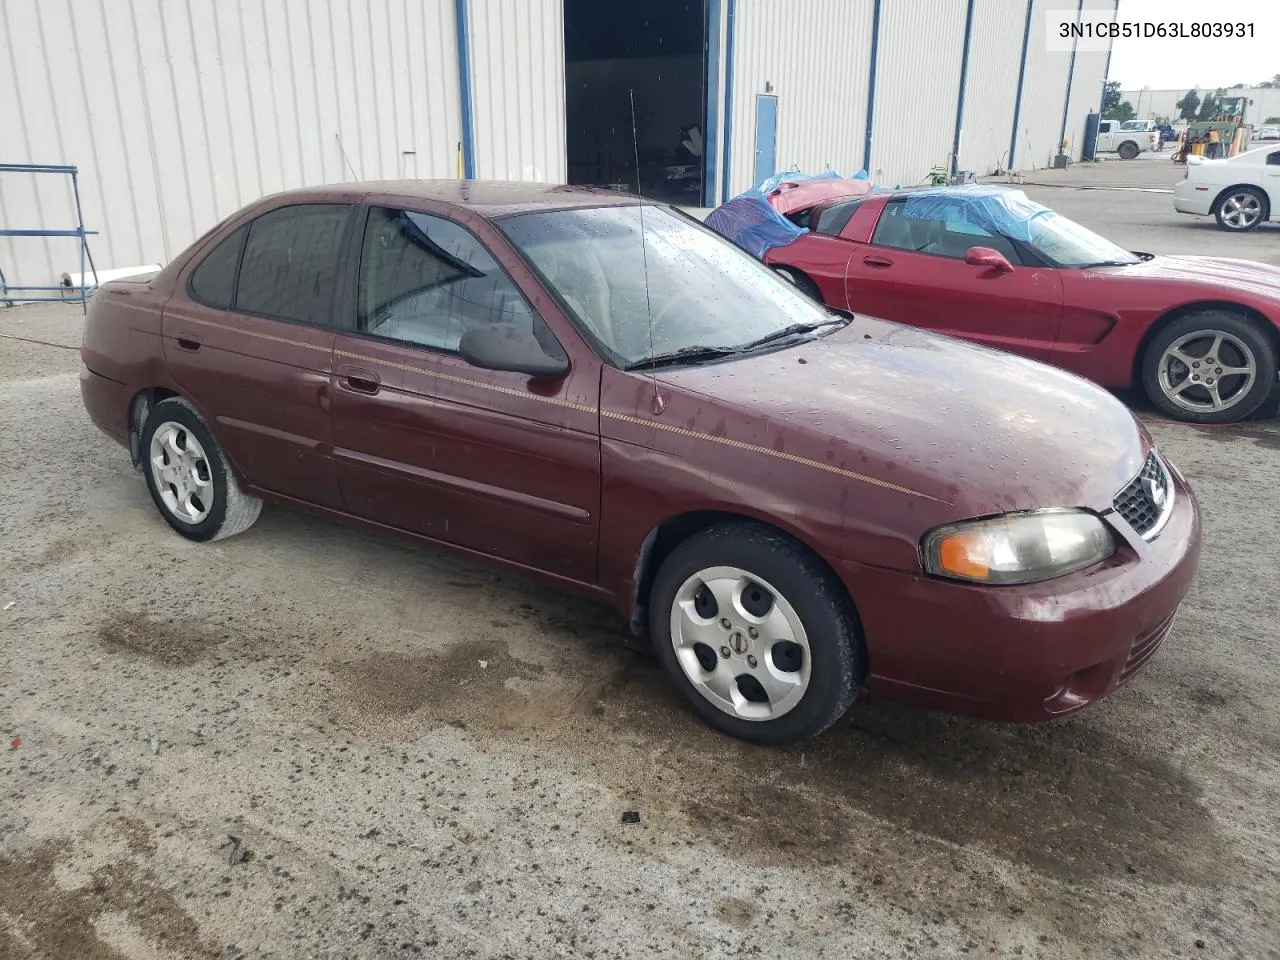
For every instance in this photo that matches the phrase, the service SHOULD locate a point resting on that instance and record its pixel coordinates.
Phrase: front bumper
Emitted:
(1029, 652)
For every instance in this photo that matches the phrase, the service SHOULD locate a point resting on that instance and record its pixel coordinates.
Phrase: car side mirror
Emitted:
(504, 346)
(986, 257)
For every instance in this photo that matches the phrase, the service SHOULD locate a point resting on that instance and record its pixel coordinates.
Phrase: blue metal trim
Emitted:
(711, 134)
(1071, 76)
(726, 165)
(464, 86)
(35, 168)
(964, 79)
(1017, 97)
(871, 86)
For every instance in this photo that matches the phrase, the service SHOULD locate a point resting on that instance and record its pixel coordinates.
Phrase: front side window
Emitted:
(425, 280)
(213, 282)
(1273, 159)
(951, 235)
(290, 263)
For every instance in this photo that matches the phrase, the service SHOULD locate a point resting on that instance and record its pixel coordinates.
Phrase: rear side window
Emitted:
(290, 264)
(1273, 159)
(214, 282)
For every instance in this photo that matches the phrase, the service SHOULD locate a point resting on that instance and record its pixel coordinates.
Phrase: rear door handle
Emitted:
(188, 341)
(880, 262)
(359, 379)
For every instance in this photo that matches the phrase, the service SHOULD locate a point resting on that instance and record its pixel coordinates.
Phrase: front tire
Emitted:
(1240, 209)
(1211, 367)
(757, 634)
(188, 477)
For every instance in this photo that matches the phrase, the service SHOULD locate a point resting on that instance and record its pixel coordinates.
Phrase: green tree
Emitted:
(1188, 105)
(1211, 105)
(1123, 112)
(1272, 120)
(1110, 97)
(1272, 83)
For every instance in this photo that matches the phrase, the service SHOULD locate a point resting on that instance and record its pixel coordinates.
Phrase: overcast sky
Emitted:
(1182, 64)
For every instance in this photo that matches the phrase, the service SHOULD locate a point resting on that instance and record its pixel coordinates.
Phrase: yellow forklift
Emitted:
(1223, 135)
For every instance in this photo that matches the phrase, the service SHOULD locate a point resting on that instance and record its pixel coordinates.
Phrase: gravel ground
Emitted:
(420, 758)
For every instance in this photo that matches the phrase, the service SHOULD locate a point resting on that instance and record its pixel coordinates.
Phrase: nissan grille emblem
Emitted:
(1155, 491)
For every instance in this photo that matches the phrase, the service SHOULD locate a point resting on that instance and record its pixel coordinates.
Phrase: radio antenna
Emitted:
(644, 256)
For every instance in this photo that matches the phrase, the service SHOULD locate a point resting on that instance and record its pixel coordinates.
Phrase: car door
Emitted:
(1271, 182)
(491, 461)
(913, 271)
(249, 340)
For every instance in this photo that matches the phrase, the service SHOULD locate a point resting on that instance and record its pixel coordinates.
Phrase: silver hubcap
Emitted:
(1241, 210)
(181, 473)
(740, 643)
(1207, 371)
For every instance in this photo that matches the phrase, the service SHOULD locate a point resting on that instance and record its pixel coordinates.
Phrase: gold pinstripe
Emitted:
(584, 408)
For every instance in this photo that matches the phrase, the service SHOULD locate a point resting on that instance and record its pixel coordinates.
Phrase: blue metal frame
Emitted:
(1017, 97)
(464, 86)
(871, 86)
(964, 80)
(711, 133)
(1106, 71)
(79, 232)
(1071, 76)
(726, 164)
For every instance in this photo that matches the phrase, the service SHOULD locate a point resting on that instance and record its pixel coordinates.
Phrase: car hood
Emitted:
(979, 431)
(1224, 273)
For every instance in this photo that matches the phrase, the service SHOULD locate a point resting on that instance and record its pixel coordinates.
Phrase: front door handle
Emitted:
(359, 379)
(879, 262)
(188, 341)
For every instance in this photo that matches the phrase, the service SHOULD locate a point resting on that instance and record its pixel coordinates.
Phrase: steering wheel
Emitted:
(656, 321)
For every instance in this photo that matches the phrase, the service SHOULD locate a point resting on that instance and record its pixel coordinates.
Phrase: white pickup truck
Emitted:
(1128, 138)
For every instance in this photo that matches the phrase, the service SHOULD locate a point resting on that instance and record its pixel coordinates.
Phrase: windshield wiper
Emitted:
(694, 354)
(1112, 263)
(792, 331)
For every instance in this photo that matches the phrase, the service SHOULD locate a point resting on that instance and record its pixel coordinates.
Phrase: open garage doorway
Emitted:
(656, 48)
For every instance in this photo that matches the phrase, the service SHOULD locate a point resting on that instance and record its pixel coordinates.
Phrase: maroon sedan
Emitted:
(1199, 335)
(795, 506)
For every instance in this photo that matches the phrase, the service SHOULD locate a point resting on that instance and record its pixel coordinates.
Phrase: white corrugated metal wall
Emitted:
(517, 89)
(917, 83)
(1086, 85)
(1044, 91)
(815, 55)
(178, 113)
(992, 88)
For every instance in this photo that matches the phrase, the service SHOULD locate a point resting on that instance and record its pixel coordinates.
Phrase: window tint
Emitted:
(214, 281)
(291, 262)
(425, 280)
(943, 238)
(1273, 159)
(833, 219)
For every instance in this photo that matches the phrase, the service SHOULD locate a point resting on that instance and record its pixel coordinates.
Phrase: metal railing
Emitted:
(37, 293)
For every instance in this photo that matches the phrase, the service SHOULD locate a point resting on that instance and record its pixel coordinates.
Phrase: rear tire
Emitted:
(188, 477)
(1128, 150)
(1182, 382)
(791, 660)
(800, 282)
(1240, 209)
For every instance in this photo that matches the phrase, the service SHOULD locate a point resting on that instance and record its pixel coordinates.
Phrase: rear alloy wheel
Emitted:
(1211, 367)
(756, 633)
(188, 476)
(1128, 150)
(1240, 209)
(800, 282)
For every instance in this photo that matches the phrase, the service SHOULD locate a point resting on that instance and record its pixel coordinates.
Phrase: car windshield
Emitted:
(1067, 244)
(686, 289)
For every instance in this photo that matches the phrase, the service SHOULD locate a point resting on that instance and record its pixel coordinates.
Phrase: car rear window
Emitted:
(213, 282)
(291, 262)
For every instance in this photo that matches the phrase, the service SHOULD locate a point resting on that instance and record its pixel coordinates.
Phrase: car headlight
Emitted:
(1018, 547)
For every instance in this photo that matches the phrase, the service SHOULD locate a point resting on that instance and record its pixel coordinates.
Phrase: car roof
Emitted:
(489, 198)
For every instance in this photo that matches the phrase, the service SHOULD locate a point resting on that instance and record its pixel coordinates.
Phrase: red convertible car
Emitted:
(1197, 334)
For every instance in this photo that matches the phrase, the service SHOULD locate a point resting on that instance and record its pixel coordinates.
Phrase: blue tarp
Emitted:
(749, 221)
(995, 209)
